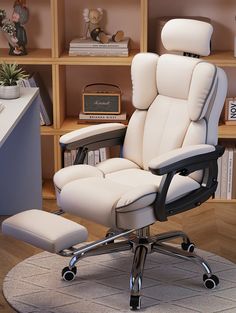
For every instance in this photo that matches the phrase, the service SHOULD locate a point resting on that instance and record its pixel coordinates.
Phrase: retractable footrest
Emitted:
(45, 230)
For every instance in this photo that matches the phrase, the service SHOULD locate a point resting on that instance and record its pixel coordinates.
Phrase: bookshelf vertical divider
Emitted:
(144, 26)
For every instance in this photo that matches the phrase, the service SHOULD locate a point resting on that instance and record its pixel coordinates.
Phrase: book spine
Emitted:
(66, 161)
(45, 101)
(93, 44)
(99, 53)
(224, 174)
(91, 158)
(217, 192)
(234, 174)
(102, 116)
(96, 157)
(42, 122)
(81, 46)
(104, 154)
(230, 174)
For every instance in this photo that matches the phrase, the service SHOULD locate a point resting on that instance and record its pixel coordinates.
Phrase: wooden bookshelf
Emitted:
(222, 58)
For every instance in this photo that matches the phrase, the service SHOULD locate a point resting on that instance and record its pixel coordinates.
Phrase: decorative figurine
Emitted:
(20, 16)
(2, 16)
(8, 28)
(93, 29)
(13, 30)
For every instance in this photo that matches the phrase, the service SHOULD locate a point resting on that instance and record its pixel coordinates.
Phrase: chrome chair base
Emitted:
(140, 243)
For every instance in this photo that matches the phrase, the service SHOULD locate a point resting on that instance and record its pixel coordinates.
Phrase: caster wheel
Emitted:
(109, 234)
(210, 282)
(67, 274)
(189, 246)
(135, 302)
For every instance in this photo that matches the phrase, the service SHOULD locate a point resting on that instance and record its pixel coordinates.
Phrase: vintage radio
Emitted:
(101, 98)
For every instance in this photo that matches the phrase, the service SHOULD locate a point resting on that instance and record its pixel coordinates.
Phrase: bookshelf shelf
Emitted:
(71, 123)
(47, 130)
(34, 56)
(222, 58)
(227, 132)
(48, 189)
(232, 201)
(65, 59)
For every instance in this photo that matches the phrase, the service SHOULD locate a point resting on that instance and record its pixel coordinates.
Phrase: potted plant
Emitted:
(10, 74)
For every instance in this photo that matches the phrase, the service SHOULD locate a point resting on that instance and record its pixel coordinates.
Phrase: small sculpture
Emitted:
(20, 16)
(7, 27)
(2, 16)
(93, 29)
(13, 29)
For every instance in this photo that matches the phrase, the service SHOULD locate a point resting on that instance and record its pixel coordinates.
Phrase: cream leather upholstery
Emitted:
(174, 97)
(187, 35)
(47, 231)
(88, 132)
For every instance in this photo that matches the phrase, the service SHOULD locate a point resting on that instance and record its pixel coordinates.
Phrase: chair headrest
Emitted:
(187, 35)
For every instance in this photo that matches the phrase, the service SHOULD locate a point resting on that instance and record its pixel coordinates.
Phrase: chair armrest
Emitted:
(92, 135)
(185, 161)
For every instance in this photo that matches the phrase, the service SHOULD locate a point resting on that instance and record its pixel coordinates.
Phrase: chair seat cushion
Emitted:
(116, 164)
(70, 173)
(45, 230)
(101, 198)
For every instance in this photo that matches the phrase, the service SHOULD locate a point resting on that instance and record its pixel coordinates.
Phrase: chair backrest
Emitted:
(178, 99)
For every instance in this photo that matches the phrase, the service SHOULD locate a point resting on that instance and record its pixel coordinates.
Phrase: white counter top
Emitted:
(14, 110)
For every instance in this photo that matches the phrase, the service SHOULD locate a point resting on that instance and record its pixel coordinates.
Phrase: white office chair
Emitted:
(169, 156)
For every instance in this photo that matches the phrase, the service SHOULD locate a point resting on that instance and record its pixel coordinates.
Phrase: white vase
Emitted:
(9, 92)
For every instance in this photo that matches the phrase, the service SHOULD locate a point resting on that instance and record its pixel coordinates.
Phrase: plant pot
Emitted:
(9, 92)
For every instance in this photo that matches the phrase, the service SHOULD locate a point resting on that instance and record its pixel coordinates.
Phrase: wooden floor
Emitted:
(211, 227)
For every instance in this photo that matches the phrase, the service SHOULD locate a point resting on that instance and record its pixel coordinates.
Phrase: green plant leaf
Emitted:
(11, 73)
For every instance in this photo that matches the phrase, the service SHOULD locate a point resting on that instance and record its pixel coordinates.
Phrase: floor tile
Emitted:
(207, 304)
(122, 282)
(121, 302)
(90, 291)
(46, 301)
(227, 294)
(166, 292)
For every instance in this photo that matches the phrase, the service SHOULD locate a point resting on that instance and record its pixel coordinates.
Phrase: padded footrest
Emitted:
(45, 230)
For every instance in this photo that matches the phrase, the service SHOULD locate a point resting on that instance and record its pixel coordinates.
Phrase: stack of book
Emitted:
(43, 100)
(102, 118)
(226, 189)
(89, 47)
(229, 112)
(92, 157)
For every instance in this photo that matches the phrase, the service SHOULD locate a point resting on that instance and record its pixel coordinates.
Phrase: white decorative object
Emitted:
(9, 92)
